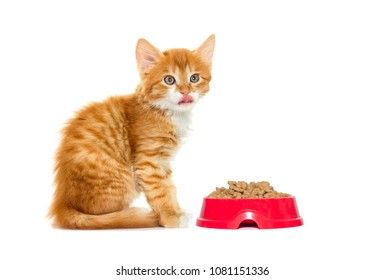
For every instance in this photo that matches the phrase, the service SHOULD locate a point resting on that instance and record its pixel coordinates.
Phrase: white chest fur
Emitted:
(182, 122)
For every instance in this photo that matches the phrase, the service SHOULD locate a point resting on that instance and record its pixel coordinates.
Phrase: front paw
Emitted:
(181, 220)
(185, 219)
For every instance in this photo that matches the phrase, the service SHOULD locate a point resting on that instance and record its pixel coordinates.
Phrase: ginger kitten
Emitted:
(113, 150)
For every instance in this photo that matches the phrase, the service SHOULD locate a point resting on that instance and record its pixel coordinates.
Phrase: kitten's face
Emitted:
(178, 80)
(175, 79)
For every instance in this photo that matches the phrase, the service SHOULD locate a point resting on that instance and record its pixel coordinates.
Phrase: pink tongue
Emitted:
(186, 99)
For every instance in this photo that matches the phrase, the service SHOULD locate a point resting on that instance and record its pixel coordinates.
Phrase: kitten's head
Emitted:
(176, 79)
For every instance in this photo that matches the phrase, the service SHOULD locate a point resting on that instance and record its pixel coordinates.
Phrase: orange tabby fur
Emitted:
(113, 150)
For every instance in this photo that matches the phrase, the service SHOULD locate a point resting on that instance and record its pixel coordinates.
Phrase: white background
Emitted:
(296, 99)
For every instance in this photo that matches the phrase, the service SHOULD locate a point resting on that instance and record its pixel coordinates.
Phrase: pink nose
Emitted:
(184, 91)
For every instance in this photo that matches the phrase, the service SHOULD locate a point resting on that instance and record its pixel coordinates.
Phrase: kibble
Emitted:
(241, 189)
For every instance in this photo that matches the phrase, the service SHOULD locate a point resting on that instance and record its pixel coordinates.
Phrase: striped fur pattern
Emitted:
(112, 151)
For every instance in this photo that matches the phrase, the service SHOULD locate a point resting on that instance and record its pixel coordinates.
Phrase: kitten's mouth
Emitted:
(186, 99)
(185, 102)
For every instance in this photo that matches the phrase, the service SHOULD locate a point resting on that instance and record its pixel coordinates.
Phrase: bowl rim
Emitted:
(250, 198)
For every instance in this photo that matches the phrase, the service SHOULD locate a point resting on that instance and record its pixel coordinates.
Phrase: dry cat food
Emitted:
(241, 189)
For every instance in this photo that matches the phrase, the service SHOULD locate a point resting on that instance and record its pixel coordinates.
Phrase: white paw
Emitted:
(186, 219)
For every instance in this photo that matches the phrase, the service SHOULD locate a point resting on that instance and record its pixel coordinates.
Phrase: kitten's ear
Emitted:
(206, 50)
(146, 55)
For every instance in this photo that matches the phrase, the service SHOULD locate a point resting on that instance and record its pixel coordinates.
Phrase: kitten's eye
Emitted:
(194, 78)
(170, 80)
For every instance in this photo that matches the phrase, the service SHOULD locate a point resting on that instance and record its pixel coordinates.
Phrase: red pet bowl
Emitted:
(264, 213)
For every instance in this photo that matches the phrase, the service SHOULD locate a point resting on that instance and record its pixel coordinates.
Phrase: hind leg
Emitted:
(106, 190)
